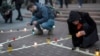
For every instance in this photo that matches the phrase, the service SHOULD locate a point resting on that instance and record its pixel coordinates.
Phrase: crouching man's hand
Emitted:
(80, 33)
(35, 22)
(7, 12)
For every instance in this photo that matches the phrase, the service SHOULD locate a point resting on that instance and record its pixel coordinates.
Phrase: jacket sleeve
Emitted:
(44, 15)
(71, 28)
(90, 25)
(12, 1)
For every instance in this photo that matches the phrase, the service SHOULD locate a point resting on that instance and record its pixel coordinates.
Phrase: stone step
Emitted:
(61, 19)
(86, 10)
(65, 20)
(91, 13)
(66, 16)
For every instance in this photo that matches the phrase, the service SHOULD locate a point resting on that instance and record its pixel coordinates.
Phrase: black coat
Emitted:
(89, 26)
(18, 1)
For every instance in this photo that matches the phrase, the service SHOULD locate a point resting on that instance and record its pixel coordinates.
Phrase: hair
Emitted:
(30, 6)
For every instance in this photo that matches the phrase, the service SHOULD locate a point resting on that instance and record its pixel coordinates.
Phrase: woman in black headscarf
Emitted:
(83, 29)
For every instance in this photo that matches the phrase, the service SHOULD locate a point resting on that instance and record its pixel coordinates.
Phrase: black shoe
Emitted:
(50, 32)
(39, 33)
(17, 18)
(74, 48)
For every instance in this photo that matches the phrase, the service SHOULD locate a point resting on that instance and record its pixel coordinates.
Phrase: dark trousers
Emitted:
(8, 17)
(1, 2)
(61, 3)
(77, 41)
(80, 2)
(49, 1)
(18, 7)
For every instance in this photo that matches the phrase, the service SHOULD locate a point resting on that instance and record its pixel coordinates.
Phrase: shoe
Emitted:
(38, 33)
(74, 48)
(17, 18)
(21, 18)
(50, 32)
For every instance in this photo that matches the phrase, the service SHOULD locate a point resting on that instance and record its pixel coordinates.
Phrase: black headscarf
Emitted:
(74, 15)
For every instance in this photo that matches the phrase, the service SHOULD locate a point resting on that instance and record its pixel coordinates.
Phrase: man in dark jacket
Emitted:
(42, 16)
(83, 29)
(18, 4)
(6, 12)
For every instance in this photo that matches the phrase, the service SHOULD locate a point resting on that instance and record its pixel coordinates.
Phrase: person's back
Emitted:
(41, 18)
(18, 1)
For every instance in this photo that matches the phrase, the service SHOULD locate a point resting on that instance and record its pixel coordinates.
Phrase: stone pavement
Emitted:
(22, 39)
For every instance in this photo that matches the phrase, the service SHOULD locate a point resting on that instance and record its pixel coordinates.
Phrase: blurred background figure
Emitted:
(1, 2)
(18, 4)
(63, 1)
(83, 29)
(49, 1)
(6, 12)
(80, 3)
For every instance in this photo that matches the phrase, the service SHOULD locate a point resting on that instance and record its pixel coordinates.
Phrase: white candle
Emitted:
(1, 31)
(35, 44)
(11, 30)
(25, 29)
(1, 46)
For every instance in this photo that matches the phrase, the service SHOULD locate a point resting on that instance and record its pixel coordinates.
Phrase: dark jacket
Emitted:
(4, 8)
(34, 1)
(89, 26)
(42, 13)
(18, 1)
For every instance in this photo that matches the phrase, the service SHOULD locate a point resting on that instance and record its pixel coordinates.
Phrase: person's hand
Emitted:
(6, 13)
(35, 22)
(28, 24)
(80, 33)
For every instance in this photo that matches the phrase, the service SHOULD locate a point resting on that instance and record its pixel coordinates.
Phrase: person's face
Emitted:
(32, 9)
(75, 22)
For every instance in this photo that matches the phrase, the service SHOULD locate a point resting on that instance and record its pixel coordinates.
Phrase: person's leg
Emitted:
(51, 2)
(61, 3)
(48, 25)
(40, 32)
(5, 18)
(80, 3)
(66, 3)
(46, 2)
(18, 7)
(10, 17)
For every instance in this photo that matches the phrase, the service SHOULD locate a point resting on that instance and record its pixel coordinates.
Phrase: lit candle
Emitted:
(35, 44)
(14, 39)
(48, 40)
(97, 52)
(55, 39)
(1, 31)
(11, 30)
(1, 46)
(54, 26)
(25, 29)
(10, 49)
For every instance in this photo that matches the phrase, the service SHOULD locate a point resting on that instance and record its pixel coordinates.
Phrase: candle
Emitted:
(55, 39)
(1, 46)
(11, 30)
(25, 29)
(35, 44)
(1, 31)
(10, 49)
(48, 40)
(97, 52)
